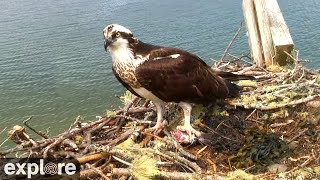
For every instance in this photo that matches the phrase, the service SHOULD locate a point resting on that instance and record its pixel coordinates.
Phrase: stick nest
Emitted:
(271, 130)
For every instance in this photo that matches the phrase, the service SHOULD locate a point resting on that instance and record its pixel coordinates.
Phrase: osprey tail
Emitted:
(234, 90)
(230, 76)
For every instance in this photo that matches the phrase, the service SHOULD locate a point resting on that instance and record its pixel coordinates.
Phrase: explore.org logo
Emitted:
(35, 168)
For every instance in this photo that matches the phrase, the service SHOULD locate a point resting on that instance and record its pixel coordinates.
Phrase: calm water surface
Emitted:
(53, 64)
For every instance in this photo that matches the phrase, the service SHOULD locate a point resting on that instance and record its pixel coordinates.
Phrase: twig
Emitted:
(231, 42)
(148, 138)
(132, 119)
(5, 139)
(75, 123)
(241, 59)
(253, 120)
(70, 143)
(122, 137)
(88, 174)
(298, 135)
(174, 157)
(178, 146)
(70, 133)
(170, 175)
(122, 171)
(306, 162)
(200, 151)
(3, 130)
(32, 129)
(89, 133)
(152, 135)
(139, 110)
(98, 171)
(219, 125)
(184, 161)
(122, 161)
(281, 124)
(128, 106)
(91, 157)
(3, 142)
(250, 114)
(262, 107)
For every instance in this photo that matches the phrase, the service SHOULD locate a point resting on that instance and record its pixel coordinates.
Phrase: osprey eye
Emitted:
(118, 34)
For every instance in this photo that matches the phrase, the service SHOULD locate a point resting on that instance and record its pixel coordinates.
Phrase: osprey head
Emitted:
(116, 35)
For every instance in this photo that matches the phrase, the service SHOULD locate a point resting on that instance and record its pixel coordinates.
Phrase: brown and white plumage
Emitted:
(164, 74)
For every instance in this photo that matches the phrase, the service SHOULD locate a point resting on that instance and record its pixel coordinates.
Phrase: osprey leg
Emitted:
(159, 125)
(186, 107)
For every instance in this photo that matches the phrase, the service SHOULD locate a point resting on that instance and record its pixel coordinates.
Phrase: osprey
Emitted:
(165, 74)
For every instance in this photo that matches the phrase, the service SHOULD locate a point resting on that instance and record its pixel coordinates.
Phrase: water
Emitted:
(53, 65)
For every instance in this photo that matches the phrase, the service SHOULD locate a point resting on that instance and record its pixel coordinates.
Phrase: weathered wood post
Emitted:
(264, 29)
(253, 32)
(280, 34)
(268, 34)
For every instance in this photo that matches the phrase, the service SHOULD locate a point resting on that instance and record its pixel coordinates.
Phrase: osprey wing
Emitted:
(181, 77)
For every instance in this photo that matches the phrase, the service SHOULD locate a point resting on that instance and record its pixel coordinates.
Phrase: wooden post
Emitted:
(264, 29)
(281, 37)
(269, 36)
(253, 32)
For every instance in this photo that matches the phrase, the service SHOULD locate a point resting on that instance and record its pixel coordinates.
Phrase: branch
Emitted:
(32, 129)
(262, 107)
(91, 157)
(71, 133)
(168, 175)
(98, 171)
(231, 42)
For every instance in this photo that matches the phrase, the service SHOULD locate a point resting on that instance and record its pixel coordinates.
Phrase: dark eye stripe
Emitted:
(123, 35)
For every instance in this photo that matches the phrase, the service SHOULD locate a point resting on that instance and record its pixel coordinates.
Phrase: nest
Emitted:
(271, 130)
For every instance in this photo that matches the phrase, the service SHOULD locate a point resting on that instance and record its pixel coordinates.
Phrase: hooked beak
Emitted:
(106, 43)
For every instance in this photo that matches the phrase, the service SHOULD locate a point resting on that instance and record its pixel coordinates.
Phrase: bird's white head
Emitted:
(116, 36)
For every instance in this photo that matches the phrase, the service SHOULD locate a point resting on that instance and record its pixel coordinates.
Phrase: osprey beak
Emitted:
(107, 42)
